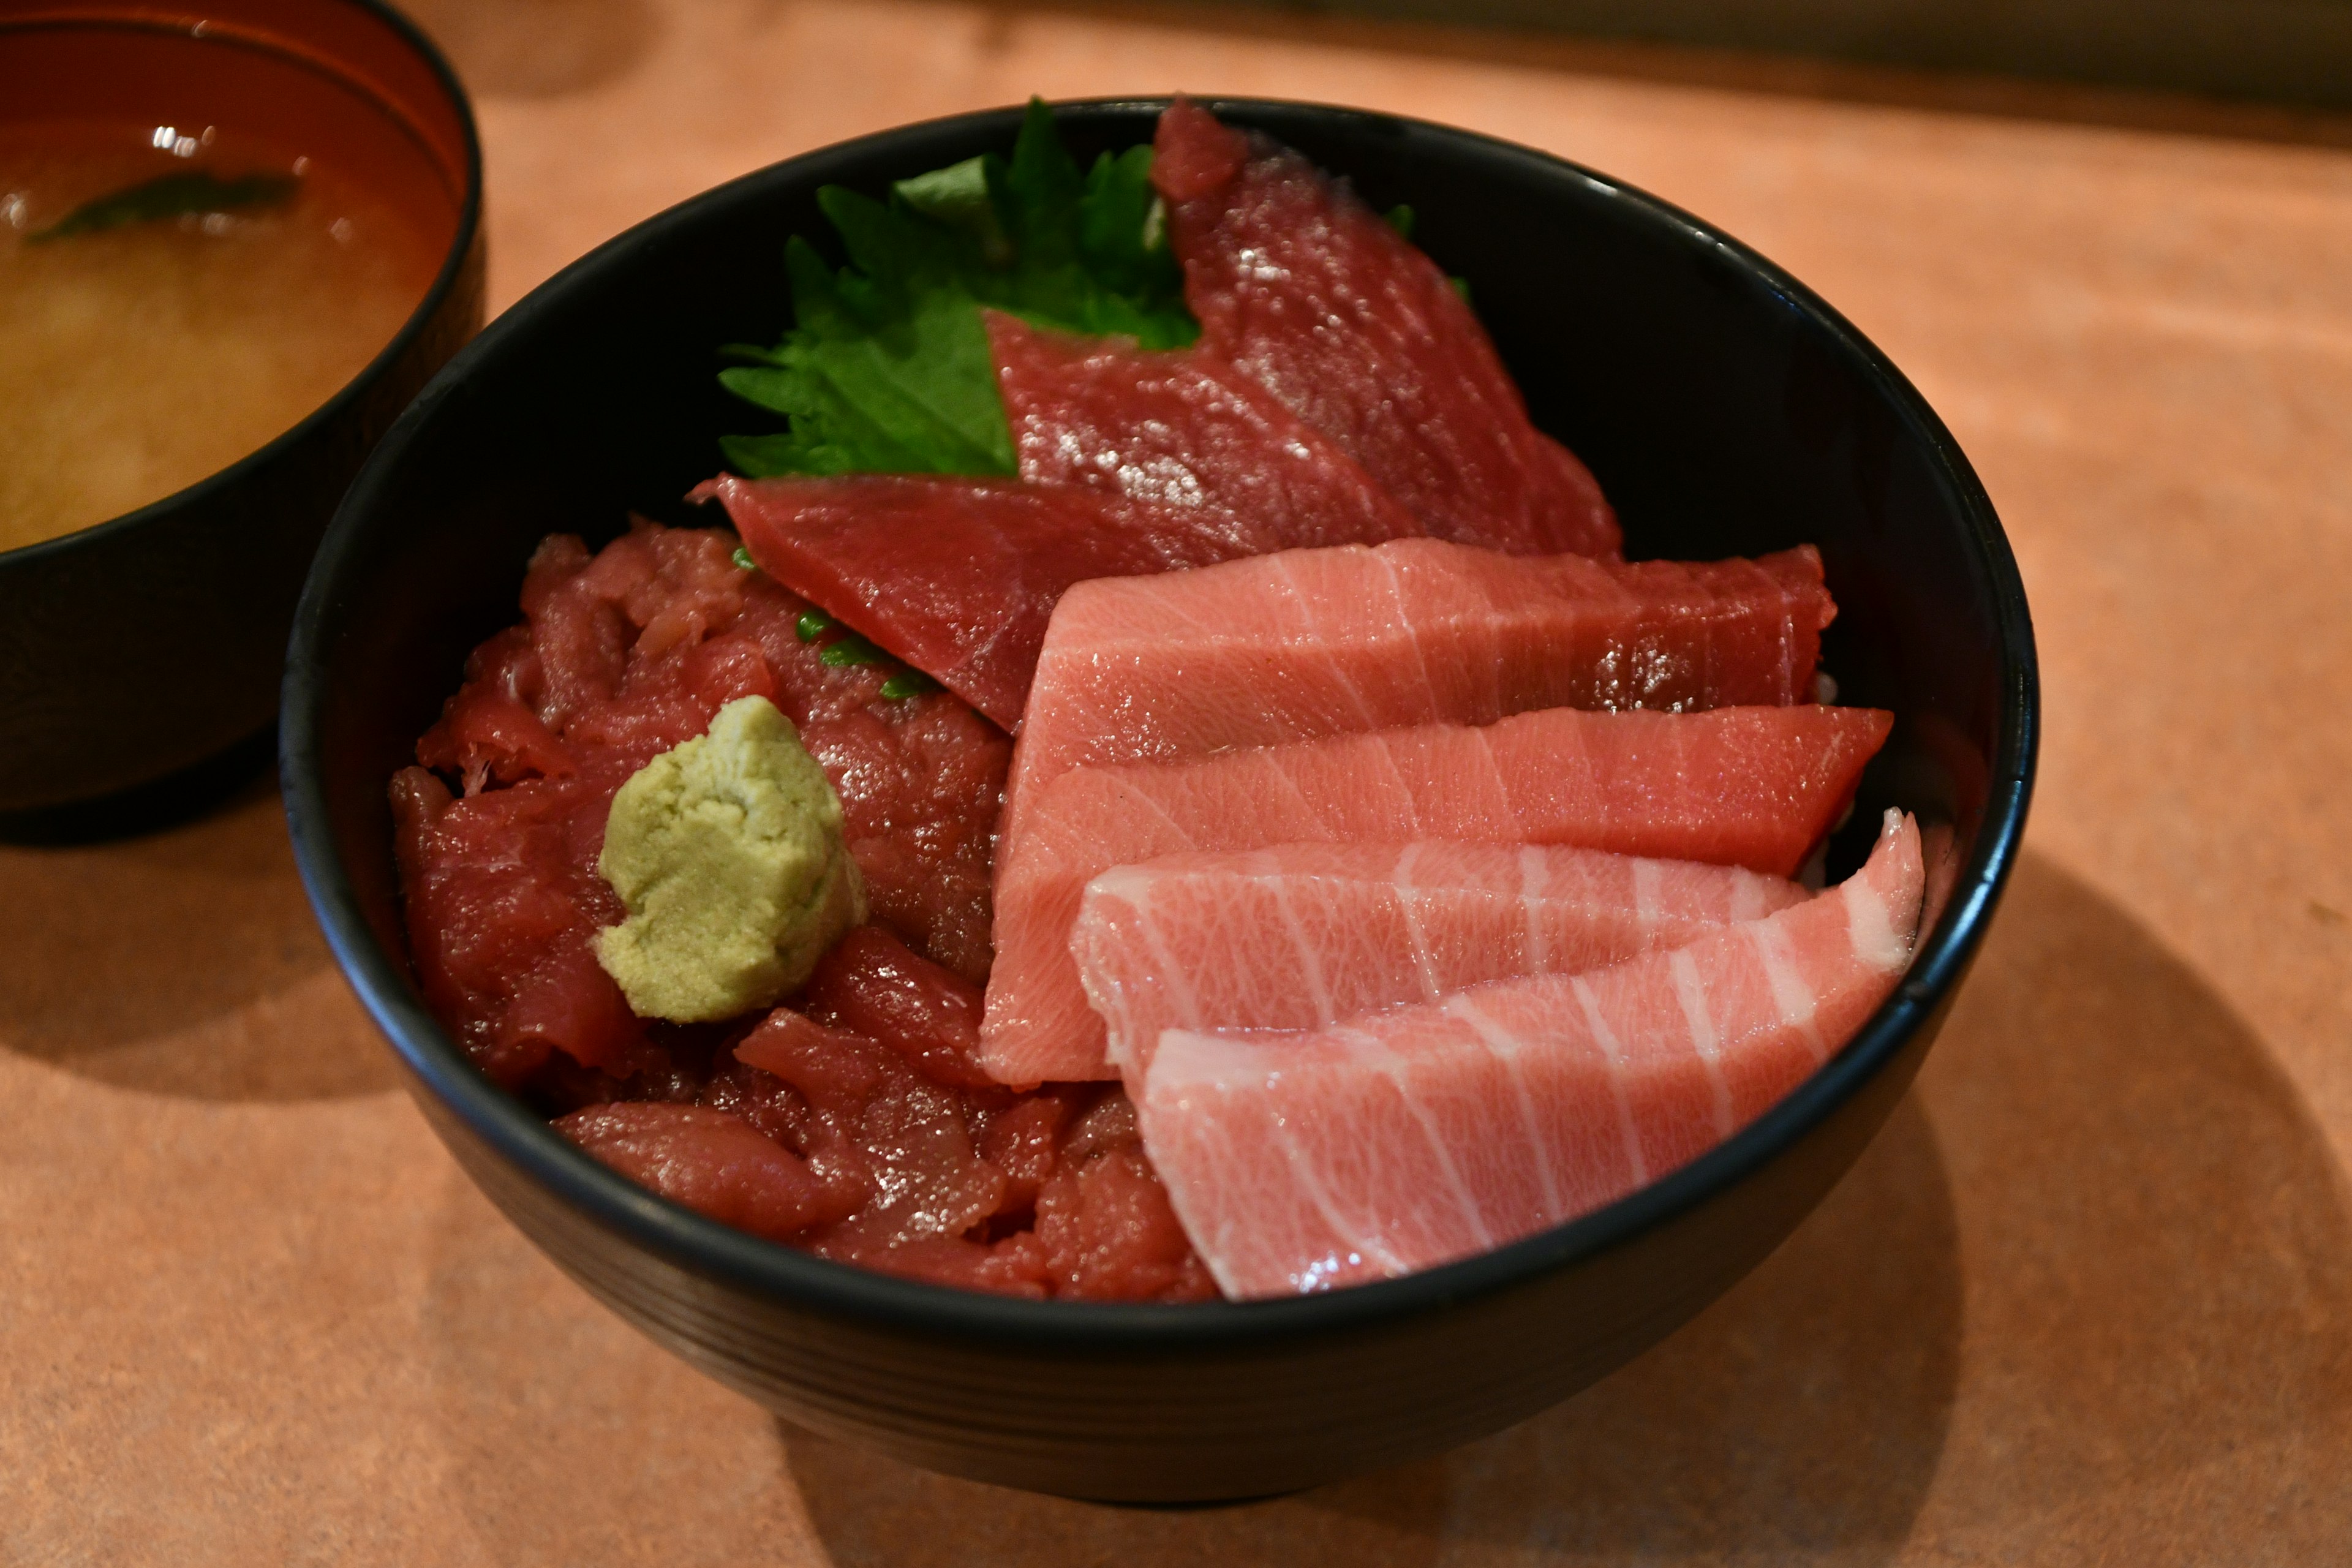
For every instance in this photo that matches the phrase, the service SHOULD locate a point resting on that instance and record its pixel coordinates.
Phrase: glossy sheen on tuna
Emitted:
(1317, 297)
(1183, 429)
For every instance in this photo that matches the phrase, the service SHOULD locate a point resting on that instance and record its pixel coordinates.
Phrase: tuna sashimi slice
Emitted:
(714, 1162)
(1301, 935)
(1319, 298)
(1738, 786)
(1184, 429)
(958, 577)
(1402, 1140)
(1309, 643)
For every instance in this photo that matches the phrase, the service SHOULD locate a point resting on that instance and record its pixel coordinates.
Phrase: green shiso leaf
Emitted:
(886, 368)
(958, 197)
(875, 378)
(172, 195)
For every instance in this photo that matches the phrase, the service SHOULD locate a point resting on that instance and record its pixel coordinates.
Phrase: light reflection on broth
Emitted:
(137, 360)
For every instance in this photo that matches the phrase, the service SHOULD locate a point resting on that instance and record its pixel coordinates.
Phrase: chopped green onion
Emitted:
(908, 683)
(852, 650)
(743, 562)
(813, 625)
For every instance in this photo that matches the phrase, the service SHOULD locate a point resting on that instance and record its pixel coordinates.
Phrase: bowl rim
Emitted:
(724, 1255)
(203, 492)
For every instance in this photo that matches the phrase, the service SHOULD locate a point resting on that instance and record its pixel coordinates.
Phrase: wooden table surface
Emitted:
(2087, 1300)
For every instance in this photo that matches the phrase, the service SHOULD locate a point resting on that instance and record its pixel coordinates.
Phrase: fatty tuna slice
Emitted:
(1311, 643)
(1402, 1140)
(1297, 936)
(1319, 298)
(1738, 786)
(1180, 428)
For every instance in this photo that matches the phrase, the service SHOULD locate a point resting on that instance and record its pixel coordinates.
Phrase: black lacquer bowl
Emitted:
(135, 653)
(1726, 409)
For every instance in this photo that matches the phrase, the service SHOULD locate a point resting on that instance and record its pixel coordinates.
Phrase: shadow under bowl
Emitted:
(1725, 408)
(141, 655)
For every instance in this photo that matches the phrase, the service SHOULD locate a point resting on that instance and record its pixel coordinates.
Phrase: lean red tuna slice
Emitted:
(1318, 298)
(1183, 429)
(1738, 786)
(958, 577)
(1402, 1140)
(1309, 643)
(714, 1162)
(1297, 936)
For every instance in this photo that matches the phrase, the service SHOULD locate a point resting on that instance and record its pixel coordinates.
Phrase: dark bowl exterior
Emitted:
(137, 649)
(1726, 410)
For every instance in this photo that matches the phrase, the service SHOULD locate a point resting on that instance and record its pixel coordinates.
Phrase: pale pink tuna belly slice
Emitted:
(1313, 294)
(1300, 935)
(1309, 643)
(1737, 786)
(1183, 429)
(1407, 1139)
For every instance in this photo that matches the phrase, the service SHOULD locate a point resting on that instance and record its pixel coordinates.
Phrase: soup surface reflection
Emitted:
(138, 355)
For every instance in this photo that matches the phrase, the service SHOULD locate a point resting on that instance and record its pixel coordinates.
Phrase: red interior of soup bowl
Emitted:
(336, 82)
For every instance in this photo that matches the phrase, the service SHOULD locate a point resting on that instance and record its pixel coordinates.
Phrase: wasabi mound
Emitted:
(728, 853)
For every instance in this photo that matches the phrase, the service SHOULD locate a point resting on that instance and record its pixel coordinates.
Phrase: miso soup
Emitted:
(173, 296)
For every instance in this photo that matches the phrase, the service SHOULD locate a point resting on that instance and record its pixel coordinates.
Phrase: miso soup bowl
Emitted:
(138, 655)
(1726, 408)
